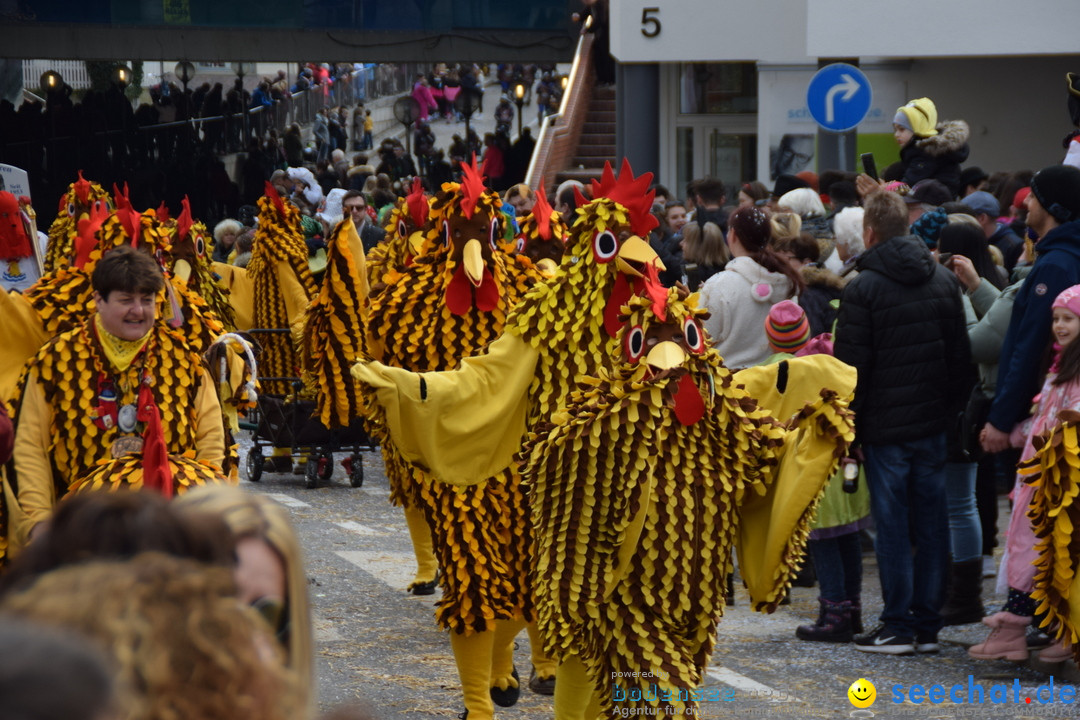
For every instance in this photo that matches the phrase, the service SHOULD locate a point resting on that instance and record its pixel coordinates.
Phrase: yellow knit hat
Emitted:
(922, 116)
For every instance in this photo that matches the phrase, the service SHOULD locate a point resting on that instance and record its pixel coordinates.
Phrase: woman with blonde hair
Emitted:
(270, 572)
(704, 252)
(225, 234)
(181, 646)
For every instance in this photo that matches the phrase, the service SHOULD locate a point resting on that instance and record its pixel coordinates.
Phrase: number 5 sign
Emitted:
(650, 22)
(648, 31)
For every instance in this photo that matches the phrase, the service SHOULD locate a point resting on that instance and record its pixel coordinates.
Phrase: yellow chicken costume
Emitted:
(1055, 516)
(637, 489)
(449, 303)
(190, 256)
(82, 198)
(542, 236)
(282, 285)
(94, 410)
(404, 239)
(334, 329)
(466, 426)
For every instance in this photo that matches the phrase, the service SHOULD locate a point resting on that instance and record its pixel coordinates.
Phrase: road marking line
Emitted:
(396, 569)
(741, 682)
(359, 529)
(287, 500)
(376, 491)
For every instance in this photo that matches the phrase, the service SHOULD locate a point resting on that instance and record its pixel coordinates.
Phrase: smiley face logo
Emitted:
(862, 693)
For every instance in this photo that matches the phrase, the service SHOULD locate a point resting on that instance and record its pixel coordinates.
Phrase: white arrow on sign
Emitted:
(849, 86)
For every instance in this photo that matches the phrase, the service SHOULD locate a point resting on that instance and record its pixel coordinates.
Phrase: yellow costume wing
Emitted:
(241, 293)
(811, 395)
(23, 336)
(462, 426)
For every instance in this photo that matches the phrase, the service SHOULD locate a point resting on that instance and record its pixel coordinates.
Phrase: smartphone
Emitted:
(868, 165)
(945, 259)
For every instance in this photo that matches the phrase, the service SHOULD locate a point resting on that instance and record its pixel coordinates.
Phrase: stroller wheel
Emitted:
(254, 464)
(356, 470)
(311, 473)
(325, 462)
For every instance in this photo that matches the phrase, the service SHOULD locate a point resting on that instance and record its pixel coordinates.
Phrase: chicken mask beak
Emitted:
(635, 251)
(472, 257)
(546, 266)
(182, 270)
(416, 241)
(665, 356)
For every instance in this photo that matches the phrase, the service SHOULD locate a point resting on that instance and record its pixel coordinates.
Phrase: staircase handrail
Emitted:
(560, 133)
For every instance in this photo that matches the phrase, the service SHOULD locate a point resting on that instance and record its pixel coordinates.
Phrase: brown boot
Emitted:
(1007, 639)
(833, 624)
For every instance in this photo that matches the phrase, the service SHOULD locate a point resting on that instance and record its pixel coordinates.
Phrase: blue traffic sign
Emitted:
(839, 97)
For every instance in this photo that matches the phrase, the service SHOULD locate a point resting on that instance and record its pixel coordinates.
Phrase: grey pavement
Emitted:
(379, 648)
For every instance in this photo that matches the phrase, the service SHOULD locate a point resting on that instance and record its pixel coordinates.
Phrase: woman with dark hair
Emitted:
(961, 238)
(753, 193)
(741, 296)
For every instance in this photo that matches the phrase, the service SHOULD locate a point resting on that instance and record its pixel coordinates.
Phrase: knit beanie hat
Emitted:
(787, 327)
(1069, 299)
(1057, 188)
(921, 117)
(929, 226)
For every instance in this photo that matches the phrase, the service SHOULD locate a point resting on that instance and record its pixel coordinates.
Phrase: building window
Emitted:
(717, 88)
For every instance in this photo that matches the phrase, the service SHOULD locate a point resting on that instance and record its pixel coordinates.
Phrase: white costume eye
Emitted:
(695, 338)
(605, 246)
(402, 230)
(635, 343)
(493, 234)
(446, 233)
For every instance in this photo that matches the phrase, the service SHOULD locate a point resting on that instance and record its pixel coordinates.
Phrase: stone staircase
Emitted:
(597, 144)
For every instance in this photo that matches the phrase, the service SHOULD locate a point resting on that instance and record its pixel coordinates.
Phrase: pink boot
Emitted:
(1006, 640)
(1056, 653)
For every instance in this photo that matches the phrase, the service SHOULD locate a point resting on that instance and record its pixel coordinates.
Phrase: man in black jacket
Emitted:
(901, 324)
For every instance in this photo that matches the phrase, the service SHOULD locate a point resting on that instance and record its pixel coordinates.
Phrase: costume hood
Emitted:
(765, 286)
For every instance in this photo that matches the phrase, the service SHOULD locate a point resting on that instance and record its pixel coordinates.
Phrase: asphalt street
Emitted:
(379, 648)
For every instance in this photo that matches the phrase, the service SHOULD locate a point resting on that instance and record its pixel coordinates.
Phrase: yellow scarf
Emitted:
(120, 353)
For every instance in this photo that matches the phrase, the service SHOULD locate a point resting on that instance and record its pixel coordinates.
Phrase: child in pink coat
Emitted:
(1060, 391)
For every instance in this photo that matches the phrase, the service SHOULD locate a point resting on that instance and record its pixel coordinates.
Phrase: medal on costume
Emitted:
(125, 445)
(126, 418)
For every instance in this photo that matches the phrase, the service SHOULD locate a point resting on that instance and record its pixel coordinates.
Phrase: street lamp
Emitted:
(121, 75)
(51, 81)
(564, 80)
(519, 100)
(184, 72)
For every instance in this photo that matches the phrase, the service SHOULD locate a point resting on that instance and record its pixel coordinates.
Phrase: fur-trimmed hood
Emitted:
(815, 276)
(951, 137)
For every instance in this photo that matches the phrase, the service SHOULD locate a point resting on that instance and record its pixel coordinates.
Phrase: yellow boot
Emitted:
(427, 567)
(575, 692)
(542, 677)
(472, 654)
(505, 683)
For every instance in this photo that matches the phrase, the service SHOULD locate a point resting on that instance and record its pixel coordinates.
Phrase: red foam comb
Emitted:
(272, 193)
(82, 189)
(630, 192)
(472, 187)
(163, 212)
(128, 217)
(184, 222)
(656, 292)
(418, 205)
(542, 212)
